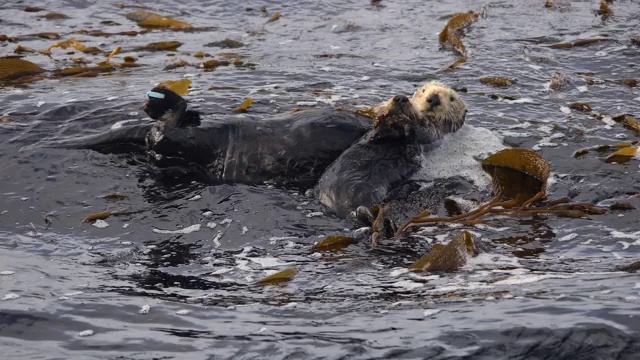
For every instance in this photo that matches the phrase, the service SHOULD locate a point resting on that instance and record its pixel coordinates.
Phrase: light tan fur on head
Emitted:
(447, 114)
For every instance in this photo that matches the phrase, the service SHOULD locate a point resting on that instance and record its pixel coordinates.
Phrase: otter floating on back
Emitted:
(390, 154)
(290, 149)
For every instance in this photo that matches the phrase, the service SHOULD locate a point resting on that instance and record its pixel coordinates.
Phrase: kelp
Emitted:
(33, 9)
(452, 32)
(622, 206)
(160, 46)
(22, 49)
(279, 277)
(497, 81)
(244, 106)
(148, 20)
(274, 17)
(12, 68)
(114, 197)
(629, 82)
(71, 43)
(176, 64)
(113, 53)
(628, 122)
(604, 10)
(603, 148)
(449, 257)
(519, 182)
(622, 155)
(54, 16)
(100, 33)
(334, 243)
(213, 64)
(97, 216)
(226, 44)
(180, 87)
(580, 106)
(577, 43)
(84, 71)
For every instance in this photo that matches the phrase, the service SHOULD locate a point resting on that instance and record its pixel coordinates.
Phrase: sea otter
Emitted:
(390, 153)
(292, 149)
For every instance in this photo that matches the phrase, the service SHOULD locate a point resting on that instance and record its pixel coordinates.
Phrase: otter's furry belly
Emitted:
(292, 149)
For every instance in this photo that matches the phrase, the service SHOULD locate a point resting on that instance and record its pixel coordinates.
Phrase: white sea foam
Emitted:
(458, 154)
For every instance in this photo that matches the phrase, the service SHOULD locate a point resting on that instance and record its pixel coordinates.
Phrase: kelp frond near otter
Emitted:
(449, 257)
(279, 277)
(519, 183)
(180, 87)
(452, 32)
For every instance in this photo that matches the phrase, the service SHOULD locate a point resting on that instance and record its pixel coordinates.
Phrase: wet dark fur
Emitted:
(292, 149)
(386, 157)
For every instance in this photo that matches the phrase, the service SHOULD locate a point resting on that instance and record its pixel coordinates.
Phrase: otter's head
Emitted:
(396, 118)
(164, 105)
(440, 105)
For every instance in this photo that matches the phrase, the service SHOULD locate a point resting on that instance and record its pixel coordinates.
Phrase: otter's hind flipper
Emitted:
(126, 139)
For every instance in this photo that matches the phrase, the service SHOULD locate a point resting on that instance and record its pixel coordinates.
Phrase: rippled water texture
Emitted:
(547, 289)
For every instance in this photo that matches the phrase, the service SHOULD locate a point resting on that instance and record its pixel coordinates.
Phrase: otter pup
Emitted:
(389, 154)
(381, 160)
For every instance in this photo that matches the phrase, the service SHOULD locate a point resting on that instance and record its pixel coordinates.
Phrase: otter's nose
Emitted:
(434, 100)
(400, 99)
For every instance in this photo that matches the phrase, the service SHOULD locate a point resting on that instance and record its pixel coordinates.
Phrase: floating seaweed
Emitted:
(334, 243)
(160, 46)
(12, 68)
(629, 82)
(605, 10)
(519, 180)
(180, 87)
(623, 155)
(71, 43)
(622, 206)
(244, 106)
(449, 257)
(114, 197)
(274, 17)
(226, 44)
(628, 121)
(577, 43)
(279, 277)
(176, 64)
(84, 71)
(149, 20)
(54, 16)
(497, 81)
(582, 107)
(213, 64)
(97, 216)
(451, 34)
(33, 9)
(23, 49)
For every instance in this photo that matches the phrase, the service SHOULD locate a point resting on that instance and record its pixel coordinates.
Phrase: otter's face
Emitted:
(163, 104)
(397, 109)
(440, 105)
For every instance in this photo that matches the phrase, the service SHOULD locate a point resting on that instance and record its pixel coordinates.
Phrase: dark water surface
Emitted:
(548, 288)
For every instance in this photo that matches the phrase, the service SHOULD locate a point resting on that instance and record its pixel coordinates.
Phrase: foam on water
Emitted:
(458, 154)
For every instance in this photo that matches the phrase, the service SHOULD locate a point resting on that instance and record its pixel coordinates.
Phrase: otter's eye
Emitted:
(451, 98)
